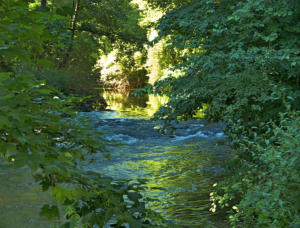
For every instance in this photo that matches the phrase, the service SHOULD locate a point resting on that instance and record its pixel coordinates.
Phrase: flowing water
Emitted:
(178, 167)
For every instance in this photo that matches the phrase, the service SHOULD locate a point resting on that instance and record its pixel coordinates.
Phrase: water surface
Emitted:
(178, 165)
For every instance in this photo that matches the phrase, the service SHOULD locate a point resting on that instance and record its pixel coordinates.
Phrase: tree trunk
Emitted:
(73, 30)
(74, 19)
(43, 4)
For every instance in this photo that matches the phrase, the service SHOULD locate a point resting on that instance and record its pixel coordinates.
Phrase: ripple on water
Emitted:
(126, 139)
(179, 170)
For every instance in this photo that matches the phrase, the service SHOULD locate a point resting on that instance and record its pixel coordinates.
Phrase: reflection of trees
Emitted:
(179, 184)
(144, 106)
(125, 100)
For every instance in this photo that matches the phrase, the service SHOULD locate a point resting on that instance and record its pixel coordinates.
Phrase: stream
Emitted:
(179, 167)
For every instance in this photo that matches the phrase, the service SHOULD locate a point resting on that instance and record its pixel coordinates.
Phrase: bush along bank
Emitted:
(241, 59)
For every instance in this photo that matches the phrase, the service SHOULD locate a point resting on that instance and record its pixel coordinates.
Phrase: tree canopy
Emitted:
(242, 59)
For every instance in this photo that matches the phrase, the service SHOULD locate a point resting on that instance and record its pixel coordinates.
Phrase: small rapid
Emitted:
(178, 167)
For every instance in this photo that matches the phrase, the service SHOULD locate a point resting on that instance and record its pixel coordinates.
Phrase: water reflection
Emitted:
(180, 185)
(135, 106)
(178, 169)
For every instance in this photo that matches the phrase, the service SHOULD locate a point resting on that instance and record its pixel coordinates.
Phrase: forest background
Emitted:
(238, 59)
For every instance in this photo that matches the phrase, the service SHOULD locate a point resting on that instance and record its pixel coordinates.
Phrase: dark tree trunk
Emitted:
(73, 30)
(43, 4)
(74, 19)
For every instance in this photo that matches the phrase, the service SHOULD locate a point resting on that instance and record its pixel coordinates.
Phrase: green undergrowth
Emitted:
(241, 58)
(262, 187)
(39, 129)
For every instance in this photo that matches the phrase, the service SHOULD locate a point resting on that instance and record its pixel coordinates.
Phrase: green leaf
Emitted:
(50, 212)
(4, 122)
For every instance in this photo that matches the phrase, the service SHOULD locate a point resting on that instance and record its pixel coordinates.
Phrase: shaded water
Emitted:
(179, 167)
(20, 200)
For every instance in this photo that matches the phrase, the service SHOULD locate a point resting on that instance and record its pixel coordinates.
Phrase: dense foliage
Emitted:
(242, 58)
(39, 129)
(124, 69)
(77, 34)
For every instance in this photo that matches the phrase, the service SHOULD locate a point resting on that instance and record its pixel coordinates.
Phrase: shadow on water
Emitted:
(20, 200)
(177, 169)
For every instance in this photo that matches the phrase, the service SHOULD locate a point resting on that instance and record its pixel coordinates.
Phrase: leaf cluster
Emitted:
(241, 58)
(39, 129)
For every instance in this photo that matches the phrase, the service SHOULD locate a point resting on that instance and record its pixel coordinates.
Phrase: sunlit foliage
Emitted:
(131, 105)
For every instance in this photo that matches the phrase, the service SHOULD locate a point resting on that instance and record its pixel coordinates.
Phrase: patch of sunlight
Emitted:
(34, 5)
(143, 107)
(154, 62)
(200, 113)
(152, 34)
(154, 103)
(140, 3)
(108, 64)
(137, 55)
(154, 166)
(172, 73)
(150, 15)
